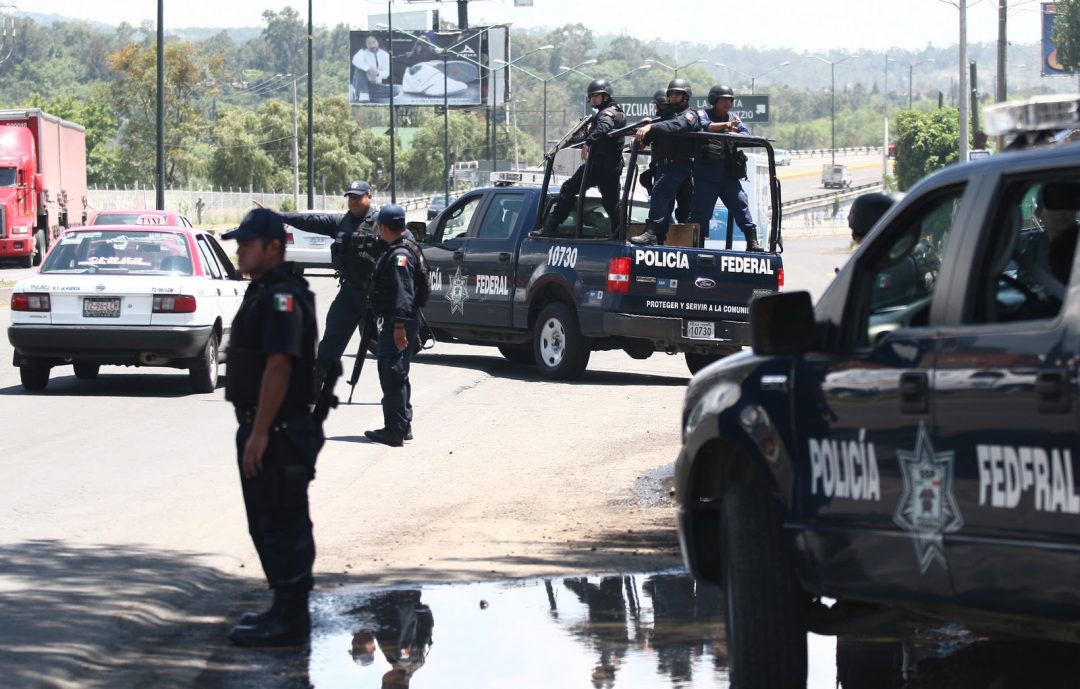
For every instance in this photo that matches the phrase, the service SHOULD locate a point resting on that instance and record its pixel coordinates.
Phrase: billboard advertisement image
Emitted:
(422, 75)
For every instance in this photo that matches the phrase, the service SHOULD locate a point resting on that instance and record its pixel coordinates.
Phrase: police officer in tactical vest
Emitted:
(673, 156)
(718, 168)
(605, 159)
(686, 189)
(355, 249)
(271, 383)
(394, 302)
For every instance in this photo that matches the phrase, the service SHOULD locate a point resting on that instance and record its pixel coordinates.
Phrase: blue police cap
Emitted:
(358, 188)
(259, 223)
(393, 216)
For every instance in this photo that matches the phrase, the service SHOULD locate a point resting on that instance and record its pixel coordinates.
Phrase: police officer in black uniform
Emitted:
(353, 253)
(270, 381)
(605, 159)
(718, 168)
(673, 156)
(686, 190)
(394, 302)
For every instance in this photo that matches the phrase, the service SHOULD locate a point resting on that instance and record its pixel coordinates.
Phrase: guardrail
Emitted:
(811, 152)
(819, 200)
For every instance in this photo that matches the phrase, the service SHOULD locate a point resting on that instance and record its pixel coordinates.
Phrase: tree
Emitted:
(423, 164)
(1067, 33)
(925, 142)
(238, 158)
(285, 38)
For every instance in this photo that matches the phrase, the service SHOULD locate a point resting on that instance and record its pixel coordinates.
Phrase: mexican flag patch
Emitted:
(402, 260)
(283, 303)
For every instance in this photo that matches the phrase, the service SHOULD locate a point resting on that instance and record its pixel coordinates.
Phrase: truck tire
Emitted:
(518, 354)
(869, 664)
(559, 347)
(203, 373)
(766, 631)
(695, 361)
(39, 248)
(86, 371)
(34, 376)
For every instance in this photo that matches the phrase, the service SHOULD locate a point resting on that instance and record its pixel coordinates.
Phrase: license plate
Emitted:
(317, 241)
(96, 307)
(701, 330)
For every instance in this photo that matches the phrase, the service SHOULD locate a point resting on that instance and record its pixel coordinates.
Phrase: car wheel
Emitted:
(518, 354)
(34, 376)
(869, 663)
(86, 371)
(203, 374)
(559, 347)
(695, 361)
(39, 248)
(766, 631)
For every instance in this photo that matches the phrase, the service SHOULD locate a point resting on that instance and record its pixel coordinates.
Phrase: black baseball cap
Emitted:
(393, 216)
(259, 223)
(358, 188)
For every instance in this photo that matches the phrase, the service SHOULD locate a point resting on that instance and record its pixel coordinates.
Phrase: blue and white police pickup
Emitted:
(910, 446)
(126, 295)
(552, 300)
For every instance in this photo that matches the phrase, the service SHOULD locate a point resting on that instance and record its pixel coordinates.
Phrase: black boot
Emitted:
(287, 623)
(386, 436)
(752, 240)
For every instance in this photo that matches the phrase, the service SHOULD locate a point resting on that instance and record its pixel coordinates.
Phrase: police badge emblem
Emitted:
(927, 508)
(458, 292)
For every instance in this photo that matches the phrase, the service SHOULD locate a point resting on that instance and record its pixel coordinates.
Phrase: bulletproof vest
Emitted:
(715, 148)
(246, 359)
(667, 147)
(605, 147)
(383, 298)
(355, 249)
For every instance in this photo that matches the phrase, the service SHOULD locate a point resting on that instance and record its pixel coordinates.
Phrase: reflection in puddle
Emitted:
(656, 630)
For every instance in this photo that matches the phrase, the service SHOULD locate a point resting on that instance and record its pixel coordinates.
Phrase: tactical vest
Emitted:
(666, 147)
(715, 149)
(355, 250)
(608, 148)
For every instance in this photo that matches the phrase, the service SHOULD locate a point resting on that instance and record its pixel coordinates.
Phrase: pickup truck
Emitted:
(907, 450)
(552, 300)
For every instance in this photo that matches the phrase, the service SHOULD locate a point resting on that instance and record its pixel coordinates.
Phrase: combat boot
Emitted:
(386, 436)
(287, 623)
(750, 233)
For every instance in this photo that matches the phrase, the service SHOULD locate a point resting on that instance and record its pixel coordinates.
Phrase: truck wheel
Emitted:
(34, 375)
(86, 371)
(560, 349)
(39, 248)
(766, 631)
(869, 664)
(518, 354)
(203, 374)
(695, 361)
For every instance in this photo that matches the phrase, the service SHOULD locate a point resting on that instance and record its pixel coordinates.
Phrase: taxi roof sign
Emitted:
(1039, 114)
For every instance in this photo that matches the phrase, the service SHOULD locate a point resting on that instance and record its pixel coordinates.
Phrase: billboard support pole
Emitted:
(393, 159)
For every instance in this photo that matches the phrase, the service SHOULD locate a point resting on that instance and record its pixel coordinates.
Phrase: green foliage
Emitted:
(1067, 33)
(925, 142)
(423, 164)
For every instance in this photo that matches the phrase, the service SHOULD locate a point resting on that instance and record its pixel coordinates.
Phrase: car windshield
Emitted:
(135, 218)
(7, 176)
(120, 252)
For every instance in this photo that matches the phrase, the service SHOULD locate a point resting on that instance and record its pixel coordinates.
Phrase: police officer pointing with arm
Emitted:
(270, 381)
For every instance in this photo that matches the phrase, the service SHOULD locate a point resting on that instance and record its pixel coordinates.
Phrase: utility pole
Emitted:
(310, 113)
(463, 14)
(160, 195)
(974, 98)
(1002, 44)
(295, 153)
(962, 91)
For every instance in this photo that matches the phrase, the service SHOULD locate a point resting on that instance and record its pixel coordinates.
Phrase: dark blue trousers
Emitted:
(394, 378)
(712, 180)
(347, 311)
(669, 177)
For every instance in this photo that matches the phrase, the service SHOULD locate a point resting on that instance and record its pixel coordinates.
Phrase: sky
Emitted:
(819, 25)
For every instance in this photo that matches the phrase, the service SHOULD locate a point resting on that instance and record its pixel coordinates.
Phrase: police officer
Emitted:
(605, 159)
(393, 301)
(353, 253)
(865, 211)
(270, 381)
(686, 189)
(673, 157)
(718, 168)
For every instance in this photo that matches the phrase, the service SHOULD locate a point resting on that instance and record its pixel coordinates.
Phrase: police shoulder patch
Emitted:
(283, 302)
(401, 260)
(690, 116)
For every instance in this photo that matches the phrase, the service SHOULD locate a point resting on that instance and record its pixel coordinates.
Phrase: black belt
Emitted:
(247, 415)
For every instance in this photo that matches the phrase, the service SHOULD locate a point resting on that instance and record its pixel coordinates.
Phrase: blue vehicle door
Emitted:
(857, 408)
(1005, 403)
(489, 259)
(445, 254)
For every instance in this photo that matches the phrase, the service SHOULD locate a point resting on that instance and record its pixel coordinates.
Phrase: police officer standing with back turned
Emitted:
(394, 302)
(686, 189)
(718, 168)
(673, 156)
(270, 381)
(605, 159)
(353, 253)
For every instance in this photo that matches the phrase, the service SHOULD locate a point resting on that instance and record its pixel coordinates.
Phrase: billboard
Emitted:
(1050, 67)
(418, 77)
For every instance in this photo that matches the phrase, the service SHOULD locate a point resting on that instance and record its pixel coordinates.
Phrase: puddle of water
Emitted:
(624, 631)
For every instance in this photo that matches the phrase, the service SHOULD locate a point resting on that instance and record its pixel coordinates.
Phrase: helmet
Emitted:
(718, 92)
(600, 86)
(659, 99)
(393, 216)
(866, 210)
(681, 85)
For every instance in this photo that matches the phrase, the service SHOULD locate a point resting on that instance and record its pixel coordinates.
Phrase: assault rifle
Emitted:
(326, 400)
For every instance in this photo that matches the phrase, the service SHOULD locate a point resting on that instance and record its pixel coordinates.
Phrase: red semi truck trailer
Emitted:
(42, 182)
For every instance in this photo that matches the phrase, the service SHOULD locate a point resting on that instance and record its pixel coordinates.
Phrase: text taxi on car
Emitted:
(909, 447)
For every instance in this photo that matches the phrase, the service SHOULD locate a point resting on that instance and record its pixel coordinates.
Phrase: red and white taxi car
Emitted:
(134, 295)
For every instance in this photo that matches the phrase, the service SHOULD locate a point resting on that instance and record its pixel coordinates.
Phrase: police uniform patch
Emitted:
(283, 303)
(690, 116)
(401, 260)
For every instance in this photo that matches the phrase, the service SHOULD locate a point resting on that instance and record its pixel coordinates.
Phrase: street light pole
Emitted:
(393, 122)
(832, 87)
(295, 151)
(675, 69)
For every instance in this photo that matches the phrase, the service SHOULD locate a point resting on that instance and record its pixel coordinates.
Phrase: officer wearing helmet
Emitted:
(686, 189)
(865, 211)
(718, 168)
(673, 156)
(605, 159)
(394, 302)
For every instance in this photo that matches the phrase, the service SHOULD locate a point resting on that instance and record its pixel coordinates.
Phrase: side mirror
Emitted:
(418, 229)
(782, 324)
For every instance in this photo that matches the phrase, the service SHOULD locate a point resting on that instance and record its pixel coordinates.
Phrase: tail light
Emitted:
(181, 303)
(30, 302)
(618, 275)
(288, 238)
(779, 279)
